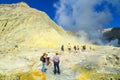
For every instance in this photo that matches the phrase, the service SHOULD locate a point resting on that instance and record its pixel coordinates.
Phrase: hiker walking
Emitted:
(69, 47)
(62, 48)
(75, 48)
(78, 48)
(43, 59)
(56, 61)
(47, 60)
(83, 47)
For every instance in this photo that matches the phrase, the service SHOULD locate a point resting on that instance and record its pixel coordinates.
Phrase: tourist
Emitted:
(56, 61)
(62, 48)
(43, 59)
(69, 47)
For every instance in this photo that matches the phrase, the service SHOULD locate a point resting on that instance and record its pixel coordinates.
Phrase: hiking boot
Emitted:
(59, 73)
(45, 70)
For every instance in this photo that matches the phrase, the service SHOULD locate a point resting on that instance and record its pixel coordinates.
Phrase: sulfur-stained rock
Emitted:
(28, 28)
(33, 75)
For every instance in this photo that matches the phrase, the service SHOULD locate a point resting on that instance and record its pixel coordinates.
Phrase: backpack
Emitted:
(41, 58)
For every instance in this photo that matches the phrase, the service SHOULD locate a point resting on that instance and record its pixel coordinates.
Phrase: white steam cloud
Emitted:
(82, 16)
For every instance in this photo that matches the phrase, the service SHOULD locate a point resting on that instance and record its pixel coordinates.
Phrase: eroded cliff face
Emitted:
(22, 26)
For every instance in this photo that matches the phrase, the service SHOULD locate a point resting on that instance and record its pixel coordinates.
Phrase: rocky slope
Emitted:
(29, 33)
(112, 34)
(95, 63)
(22, 26)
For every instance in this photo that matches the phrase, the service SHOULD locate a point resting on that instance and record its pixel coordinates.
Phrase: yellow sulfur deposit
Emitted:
(34, 75)
(84, 76)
